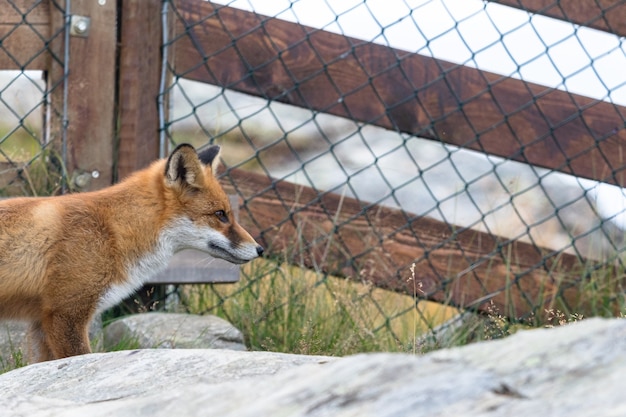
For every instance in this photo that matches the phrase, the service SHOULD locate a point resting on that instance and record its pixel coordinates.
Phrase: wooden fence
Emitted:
(113, 83)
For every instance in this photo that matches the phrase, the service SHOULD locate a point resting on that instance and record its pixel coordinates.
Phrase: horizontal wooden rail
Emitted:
(399, 90)
(606, 15)
(379, 244)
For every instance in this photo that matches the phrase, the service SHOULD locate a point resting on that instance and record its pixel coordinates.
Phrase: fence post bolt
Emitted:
(80, 26)
(83, 179)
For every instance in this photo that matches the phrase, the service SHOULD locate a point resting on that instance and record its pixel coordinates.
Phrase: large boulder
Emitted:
(574, 370)
(169, 330)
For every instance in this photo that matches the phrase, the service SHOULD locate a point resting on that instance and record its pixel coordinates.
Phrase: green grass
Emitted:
(127, 342)
(14, 360)
(26, 167)
(288, 309)
(284, 308)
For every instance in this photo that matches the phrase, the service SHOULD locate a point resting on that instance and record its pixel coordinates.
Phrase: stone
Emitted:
(572, 370)
(14, 340)
(69, 384)
(172, 330)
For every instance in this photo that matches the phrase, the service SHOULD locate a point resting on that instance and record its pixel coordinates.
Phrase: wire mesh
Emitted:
(419, 171)
(31, 158)
(447, 156)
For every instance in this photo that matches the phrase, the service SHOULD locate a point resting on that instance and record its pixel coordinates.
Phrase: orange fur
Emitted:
(63, 258)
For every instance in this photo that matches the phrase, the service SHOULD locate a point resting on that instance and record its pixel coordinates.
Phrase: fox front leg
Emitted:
(67, 334)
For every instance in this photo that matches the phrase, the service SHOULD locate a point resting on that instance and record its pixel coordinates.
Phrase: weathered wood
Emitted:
(24, 30)
(606, 15)
(139, 79)
(463, 267)
(91, 92)
(193, 267)
(399, 90)
(31, 12)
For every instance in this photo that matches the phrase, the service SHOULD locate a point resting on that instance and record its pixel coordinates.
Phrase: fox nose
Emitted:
(260, 250)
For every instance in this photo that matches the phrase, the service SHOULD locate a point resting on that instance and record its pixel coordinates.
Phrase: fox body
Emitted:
(62, 259)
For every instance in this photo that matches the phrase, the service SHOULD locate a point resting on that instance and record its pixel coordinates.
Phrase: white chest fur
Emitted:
(146, 266)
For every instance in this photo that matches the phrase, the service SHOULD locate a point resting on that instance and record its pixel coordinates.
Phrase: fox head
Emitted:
(204, 218)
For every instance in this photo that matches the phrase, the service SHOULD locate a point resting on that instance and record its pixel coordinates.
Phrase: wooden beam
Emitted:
(90, 95)
(376, 244)
(30, 12)
(139, 79)
(399, 90)
(606, 15)
(24, 31)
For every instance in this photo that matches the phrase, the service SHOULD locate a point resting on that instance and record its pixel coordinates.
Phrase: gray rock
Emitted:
(169, 330)
(14, 340)
(574, 370)
(64, 387)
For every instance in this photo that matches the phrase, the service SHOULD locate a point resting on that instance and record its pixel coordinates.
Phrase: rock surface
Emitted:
(144, 331)
(169, 330)
(14, 340)
(574, 370)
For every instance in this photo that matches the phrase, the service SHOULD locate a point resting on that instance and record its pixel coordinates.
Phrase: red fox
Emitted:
(65, 258)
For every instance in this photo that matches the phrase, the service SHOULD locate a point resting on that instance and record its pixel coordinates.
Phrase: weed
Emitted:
(11, 355)
(126, 342)
(289, 309)
(14, 360)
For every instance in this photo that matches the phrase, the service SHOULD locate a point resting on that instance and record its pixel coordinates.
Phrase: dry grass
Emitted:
(289, 309)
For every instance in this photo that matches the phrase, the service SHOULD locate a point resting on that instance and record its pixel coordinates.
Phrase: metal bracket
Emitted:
(79, 26)
(83, 179)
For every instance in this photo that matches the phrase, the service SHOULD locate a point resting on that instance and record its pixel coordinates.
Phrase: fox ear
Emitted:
(184, 168)
(211, 156)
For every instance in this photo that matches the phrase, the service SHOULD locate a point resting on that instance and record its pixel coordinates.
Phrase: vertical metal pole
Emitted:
(161, 99)
(66, 71)
(172, 300)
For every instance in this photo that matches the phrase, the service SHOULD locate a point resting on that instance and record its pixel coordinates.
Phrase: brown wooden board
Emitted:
(399, 90)
(195, 267)
(24, 31)
(13, 12)
(606, 15)
(341, 236)
(90, 94)
(139, 80)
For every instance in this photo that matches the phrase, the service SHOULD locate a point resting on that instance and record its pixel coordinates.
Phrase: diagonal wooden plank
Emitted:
(399, 90)
(376, 244)
(606, 15)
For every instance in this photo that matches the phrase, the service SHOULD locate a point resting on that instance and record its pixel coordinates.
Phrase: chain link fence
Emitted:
(31, 158)
(497, 161)
(447, 157)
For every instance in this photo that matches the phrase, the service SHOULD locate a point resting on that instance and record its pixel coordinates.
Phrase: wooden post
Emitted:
(139, 80)
(22, 44)
(90, 91)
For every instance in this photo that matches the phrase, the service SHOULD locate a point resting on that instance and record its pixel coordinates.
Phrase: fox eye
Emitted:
(221, 215)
